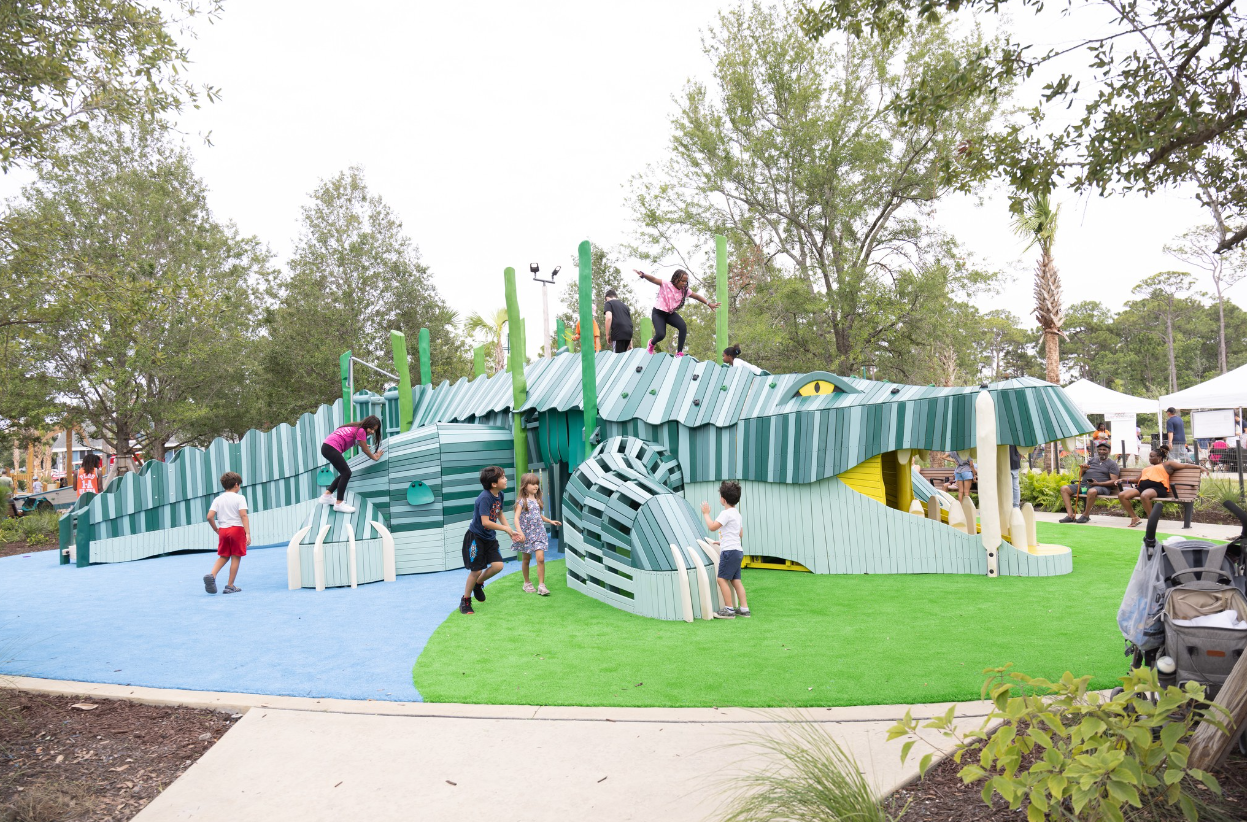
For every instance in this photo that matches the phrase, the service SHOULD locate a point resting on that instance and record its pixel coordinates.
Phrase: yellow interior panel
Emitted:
(816, 388)
(866, 478)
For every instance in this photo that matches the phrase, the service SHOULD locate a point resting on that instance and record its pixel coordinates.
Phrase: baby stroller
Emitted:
(1185, 609)
(1175, 615)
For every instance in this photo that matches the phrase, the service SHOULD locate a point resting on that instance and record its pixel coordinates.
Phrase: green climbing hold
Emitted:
(419, 494)
(652, 391)
(773, 385)
(624, 395)
(722, 387)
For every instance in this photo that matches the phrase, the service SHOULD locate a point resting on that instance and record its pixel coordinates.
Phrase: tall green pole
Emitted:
(588, 370)
(398, 344)
(647, 330)
(519, 387)
(720, 276)
(345, 362)
(560, 333)
(426, 370)
(478, 361)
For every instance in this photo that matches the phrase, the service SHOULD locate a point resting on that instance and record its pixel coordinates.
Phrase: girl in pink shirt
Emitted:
(671, 297)
(335, 445)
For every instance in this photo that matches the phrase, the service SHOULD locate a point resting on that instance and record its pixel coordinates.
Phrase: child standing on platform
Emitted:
(531, 518)
(228, 517)
(731, 529)
(481, 555)
(671, 297)
(335, 446)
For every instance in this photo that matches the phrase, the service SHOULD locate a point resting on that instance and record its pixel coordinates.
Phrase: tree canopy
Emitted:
(1164, 105)
(796, 153)
(67, 62)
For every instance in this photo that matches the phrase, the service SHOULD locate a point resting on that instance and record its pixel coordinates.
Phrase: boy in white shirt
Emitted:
(731, 552)
(228, 517)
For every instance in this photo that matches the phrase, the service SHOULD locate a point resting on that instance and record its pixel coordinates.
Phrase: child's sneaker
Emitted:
(529, 589)
(465, 605)
(542, 590)
(231, 589)
(725, 613)
(649, 349)
(679, 353)
(478, 591)
(343, 508)
(325, 499)
(210, 583)
(743, 612)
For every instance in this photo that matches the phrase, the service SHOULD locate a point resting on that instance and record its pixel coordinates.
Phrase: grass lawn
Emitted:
(813, 640)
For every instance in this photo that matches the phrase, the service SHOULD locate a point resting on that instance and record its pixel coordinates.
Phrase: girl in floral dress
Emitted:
(531, 517)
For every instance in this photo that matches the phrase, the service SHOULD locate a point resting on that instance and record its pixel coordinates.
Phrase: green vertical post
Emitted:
(398, 344)
(478, 361)
(720, 277)
(588, 369)
(519, 387)
(345, 362)
(647, 331)
(560, 333)
(426, 369)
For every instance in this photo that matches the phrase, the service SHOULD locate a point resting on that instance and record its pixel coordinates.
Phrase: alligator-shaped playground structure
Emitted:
(628, 445)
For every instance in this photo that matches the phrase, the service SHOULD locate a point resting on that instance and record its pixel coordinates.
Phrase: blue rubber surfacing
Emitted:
(150, 623)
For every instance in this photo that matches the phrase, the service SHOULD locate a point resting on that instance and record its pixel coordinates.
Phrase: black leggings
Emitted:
(661, 320)
(339, 463)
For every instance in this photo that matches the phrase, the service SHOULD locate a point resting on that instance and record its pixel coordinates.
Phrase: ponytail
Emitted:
(1163, 450)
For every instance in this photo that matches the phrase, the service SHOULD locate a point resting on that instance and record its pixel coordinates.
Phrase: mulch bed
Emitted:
(12, 549)
(942, 797)
(59, 763)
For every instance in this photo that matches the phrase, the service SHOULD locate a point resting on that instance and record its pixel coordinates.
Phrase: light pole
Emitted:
(545, 301)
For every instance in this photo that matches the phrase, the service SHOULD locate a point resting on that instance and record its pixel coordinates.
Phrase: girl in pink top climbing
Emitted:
(671, 296)
(338, 443)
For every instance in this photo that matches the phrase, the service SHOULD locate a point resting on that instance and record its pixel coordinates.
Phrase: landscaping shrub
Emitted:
(1213, 491)
(1043, 490)
(1073, 754)
(38, 528)
(806, 775)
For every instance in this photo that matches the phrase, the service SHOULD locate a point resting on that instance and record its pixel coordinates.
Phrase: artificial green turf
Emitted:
(814, 640)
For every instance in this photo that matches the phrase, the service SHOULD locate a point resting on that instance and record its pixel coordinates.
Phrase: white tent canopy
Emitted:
(1093, 398)
(1226, 391)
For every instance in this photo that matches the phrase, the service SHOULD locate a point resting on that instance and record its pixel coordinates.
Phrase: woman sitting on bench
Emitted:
(1153, 483)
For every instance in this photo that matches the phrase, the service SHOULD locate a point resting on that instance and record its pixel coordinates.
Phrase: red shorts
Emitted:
(232, 542)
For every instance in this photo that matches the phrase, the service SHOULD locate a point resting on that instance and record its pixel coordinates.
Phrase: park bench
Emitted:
(1183, 486)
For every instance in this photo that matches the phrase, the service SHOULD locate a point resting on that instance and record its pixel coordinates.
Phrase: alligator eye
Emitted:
(815, 388)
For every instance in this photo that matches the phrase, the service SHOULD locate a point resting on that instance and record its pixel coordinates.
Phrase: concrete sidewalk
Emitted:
(292, 758)
(1198, 530)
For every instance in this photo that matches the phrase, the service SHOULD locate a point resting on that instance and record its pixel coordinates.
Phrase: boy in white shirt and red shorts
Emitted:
(228, 517)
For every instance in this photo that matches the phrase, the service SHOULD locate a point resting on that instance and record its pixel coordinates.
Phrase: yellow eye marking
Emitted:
(816, 388)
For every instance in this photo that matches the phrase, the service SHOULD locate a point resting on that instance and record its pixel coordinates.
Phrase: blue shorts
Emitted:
(729, 564)
(966, 474)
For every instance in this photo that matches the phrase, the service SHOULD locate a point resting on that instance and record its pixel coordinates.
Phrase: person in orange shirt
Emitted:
(597, 335)
(1153, 483)
(87, 477)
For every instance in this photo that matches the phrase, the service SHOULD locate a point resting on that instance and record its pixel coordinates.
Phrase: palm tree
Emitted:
(1037, 223)
(490, 328)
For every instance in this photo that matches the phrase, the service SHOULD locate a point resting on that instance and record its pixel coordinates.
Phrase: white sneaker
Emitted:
(326, 499)
(343, 508)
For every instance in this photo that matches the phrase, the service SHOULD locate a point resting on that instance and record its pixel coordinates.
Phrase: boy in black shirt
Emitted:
(481, 555)
(618, 323)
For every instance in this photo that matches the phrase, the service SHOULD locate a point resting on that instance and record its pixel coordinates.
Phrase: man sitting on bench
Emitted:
(1098, 476)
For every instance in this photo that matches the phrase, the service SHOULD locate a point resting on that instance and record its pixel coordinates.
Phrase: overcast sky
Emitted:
(504, 134)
